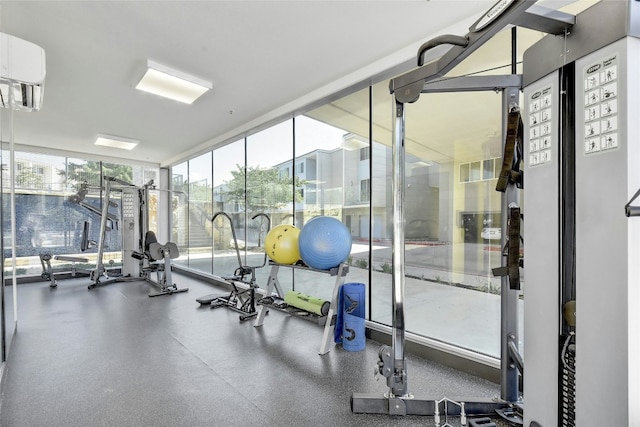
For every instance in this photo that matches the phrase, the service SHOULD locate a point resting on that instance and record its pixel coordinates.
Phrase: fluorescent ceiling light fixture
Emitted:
(173, 84)
(116, 142)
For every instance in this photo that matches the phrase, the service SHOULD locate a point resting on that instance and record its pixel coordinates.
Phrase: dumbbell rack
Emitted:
(273, 285)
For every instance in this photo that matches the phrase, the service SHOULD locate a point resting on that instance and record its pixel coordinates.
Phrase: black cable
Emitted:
(471, 74)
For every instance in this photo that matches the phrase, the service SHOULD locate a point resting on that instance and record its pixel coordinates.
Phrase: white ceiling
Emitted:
(265, 59)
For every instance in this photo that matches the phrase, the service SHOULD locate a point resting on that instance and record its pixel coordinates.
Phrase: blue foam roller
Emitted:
(353, 333)
(350, 318)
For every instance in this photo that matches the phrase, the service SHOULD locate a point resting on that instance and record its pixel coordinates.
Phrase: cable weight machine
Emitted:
(407, 89)
(142, 254)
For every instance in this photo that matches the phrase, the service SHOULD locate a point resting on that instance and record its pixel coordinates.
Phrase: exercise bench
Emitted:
(47, 269)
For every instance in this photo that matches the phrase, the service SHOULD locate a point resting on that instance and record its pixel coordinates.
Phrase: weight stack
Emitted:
(568, 390)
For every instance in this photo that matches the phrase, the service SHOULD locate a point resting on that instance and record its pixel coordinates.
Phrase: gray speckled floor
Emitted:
(112, 356)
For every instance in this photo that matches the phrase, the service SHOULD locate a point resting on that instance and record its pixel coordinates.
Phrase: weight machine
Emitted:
(156, 257)
(582, 103)
(407, 89)
(581, 147)
(85, 243)
(142, 254)
(108, 221)
(100, 276)
(241, 300)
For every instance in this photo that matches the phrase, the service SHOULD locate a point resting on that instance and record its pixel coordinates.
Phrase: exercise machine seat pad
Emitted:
(149, 238)
(158, 251)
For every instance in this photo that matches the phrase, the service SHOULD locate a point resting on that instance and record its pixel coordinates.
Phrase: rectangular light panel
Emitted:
(116, 142)
(173, 84)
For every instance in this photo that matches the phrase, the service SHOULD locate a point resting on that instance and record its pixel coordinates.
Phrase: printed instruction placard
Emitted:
(540, 127)
(601, 105)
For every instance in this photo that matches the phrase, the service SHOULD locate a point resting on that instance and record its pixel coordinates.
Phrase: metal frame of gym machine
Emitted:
(241, 296)
(407, 89)
(128, 214)
(155, 257)
(135, 219)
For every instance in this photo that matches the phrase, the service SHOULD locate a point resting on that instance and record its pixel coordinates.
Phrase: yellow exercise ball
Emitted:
(281, 244)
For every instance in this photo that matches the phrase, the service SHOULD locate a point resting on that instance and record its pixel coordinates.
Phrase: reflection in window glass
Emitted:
(464, 172)
(469, 172)
(487, 169)
(474, 171)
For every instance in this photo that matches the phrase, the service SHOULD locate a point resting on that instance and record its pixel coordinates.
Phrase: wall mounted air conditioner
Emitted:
(22, 73)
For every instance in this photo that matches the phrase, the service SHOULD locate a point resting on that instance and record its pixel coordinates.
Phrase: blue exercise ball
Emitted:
(324, 243)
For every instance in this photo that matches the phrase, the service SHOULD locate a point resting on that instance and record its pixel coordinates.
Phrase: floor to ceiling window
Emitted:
(335, 160)
(200, 212)
(450, 208)
(330, 164)
(179, 206)
(382, 212)
(271, 189)
(228, 203)
(59, 207)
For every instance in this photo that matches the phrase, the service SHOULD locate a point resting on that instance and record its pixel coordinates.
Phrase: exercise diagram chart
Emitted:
(601, 106)
(540, 113)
